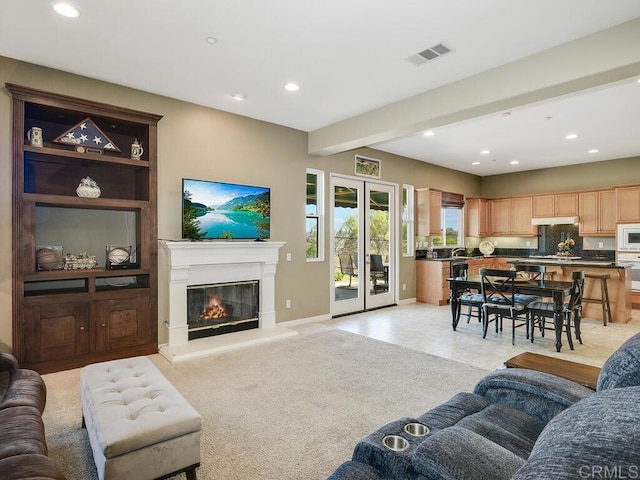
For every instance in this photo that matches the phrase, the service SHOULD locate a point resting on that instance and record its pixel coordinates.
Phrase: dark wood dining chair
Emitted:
(472, 300)
(571, 311)
(500, 300)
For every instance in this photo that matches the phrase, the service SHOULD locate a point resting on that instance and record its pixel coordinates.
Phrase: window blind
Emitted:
(452, 200)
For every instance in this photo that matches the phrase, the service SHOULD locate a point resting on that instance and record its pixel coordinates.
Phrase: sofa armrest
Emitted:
(538, 394)
(8, 362)
(456, 453)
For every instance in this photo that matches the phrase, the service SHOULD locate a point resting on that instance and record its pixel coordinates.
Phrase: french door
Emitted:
(363, 232)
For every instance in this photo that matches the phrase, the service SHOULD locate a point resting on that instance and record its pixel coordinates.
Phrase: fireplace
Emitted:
(222, 308)
(186, 267)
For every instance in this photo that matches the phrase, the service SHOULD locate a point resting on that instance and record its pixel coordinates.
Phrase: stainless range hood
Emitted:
(555, 220)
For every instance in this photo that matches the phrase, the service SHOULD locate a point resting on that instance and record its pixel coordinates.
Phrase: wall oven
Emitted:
(628, 237)
(633, 260)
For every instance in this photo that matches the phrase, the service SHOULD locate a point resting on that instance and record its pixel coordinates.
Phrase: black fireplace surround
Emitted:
(221, 308)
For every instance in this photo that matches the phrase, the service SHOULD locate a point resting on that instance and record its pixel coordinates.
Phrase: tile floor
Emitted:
(427, 328)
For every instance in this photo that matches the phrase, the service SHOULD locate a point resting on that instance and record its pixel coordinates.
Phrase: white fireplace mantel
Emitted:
(184, 263)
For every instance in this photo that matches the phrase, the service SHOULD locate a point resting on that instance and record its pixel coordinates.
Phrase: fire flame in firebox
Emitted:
(214, 310)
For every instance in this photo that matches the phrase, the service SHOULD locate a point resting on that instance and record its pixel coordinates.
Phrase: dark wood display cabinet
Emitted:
(65, 316)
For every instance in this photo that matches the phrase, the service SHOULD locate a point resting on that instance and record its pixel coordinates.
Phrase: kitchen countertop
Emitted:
(568, 263)
(546, 260)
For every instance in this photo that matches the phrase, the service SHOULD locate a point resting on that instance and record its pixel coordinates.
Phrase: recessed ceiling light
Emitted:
(475, 163)
(571, 136)
(239, 96)
(594, 150)
(211, 40)
(485, 152)
(514, 162)
(66, 10)
(429, 133)
(292, 87)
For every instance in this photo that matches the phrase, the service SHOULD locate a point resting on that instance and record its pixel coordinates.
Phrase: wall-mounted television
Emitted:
(216, 210)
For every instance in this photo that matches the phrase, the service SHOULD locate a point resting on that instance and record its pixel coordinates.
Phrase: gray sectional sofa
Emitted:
(517, 424)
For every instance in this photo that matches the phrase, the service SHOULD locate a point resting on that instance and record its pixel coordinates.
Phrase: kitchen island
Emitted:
(619, 283)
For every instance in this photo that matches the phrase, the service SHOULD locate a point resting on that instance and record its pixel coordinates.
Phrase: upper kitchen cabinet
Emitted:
(628, 204)
(512, 216)
(555, 205)
(429, 205)
(477, 215)
(597, 213)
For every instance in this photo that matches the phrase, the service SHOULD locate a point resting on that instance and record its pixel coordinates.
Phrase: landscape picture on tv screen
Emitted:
(216, 210)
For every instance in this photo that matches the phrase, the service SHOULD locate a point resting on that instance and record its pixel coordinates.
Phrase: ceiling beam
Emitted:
(595, 61)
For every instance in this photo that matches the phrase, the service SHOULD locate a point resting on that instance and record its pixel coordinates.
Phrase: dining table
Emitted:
(555, 289)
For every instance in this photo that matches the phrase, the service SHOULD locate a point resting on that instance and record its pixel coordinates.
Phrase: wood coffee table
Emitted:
(585, 375)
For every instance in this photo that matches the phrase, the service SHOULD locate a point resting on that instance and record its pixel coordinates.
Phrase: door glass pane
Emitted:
(379, 235)
(346, 231)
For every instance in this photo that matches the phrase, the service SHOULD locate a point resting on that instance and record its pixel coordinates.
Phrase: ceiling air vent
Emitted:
(429, 54)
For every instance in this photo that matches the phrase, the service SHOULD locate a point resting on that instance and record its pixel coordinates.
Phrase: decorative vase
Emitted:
(88, 188)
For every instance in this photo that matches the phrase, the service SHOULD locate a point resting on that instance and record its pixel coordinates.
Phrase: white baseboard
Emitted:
(303, 321)
(407, 301)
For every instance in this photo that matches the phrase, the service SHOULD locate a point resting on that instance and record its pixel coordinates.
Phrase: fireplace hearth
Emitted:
(222, 308)
(187, 264)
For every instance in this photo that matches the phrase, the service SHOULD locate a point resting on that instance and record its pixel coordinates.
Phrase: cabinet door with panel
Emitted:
(520, 217)
(500, 215)
(477, 217)
(122, 322)
(429, 206)
(628, 204)
(565, 204)
(55, 331)
(597, 213)
(521, 212)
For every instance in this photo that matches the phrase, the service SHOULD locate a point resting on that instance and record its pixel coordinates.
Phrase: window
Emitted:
(315, 215)
(451, 221)
(407, 221)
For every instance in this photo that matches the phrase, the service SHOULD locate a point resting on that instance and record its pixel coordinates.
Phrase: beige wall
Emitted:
(199, 142)
(586, 176)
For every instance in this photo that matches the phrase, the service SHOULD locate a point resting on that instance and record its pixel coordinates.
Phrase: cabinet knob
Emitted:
(82, 327)
(104, 324)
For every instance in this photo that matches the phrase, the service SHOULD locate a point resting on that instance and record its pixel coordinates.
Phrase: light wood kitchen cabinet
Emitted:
(477, 216)
(475, 264)
(431, 281)
(628, 203)
(431, 277)
(555, 205)
(429, 206)
(597, 213)
(500, 213)
(520, 217)
(512, 216)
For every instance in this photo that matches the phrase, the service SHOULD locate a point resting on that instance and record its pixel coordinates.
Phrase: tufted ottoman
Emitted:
(139, 426)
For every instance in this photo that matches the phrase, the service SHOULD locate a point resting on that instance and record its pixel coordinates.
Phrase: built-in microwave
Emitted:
(628, 237)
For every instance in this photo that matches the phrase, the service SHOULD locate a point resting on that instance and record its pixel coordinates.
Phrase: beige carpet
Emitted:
(292, 409)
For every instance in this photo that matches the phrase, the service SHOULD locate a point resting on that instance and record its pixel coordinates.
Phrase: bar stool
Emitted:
(604, 295)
